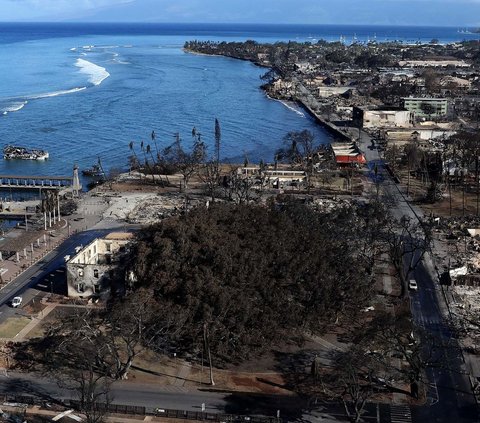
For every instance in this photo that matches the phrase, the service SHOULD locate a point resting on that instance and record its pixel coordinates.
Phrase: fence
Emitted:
(29, 400)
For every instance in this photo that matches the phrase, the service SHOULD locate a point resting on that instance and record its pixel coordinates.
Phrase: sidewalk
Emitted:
(49, 414)
(37, 244)
(34, 323)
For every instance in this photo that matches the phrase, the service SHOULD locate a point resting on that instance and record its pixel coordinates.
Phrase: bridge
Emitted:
(35, 182)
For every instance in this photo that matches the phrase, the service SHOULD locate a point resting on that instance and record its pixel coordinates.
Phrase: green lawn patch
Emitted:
(12, 326)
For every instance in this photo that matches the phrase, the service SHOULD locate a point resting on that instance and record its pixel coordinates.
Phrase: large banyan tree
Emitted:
(251, 276)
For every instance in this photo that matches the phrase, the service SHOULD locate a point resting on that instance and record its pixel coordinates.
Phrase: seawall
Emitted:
(329, 126)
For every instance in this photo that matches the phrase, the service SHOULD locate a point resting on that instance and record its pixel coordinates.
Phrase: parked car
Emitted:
(16, 302)
(412, 285)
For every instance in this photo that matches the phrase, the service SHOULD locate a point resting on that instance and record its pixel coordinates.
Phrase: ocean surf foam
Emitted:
(292, 108)
(56, 93)
(96, 74)
(14, 107)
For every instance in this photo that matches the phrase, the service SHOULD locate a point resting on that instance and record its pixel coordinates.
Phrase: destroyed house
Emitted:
(95, 269)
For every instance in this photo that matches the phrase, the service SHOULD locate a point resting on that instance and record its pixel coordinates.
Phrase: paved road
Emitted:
(51, 262)
(125, 393)
(154, 396)
(450, 397)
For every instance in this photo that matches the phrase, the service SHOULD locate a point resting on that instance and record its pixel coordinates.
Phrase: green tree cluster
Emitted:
(253, 276)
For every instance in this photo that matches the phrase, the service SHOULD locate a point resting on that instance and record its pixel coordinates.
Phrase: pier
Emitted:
(35, 182)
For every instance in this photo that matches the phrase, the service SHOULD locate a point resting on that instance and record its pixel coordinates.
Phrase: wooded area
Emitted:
(253, 276)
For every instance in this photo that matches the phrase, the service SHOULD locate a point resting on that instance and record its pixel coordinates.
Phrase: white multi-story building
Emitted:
(426, 106)
(94, 269)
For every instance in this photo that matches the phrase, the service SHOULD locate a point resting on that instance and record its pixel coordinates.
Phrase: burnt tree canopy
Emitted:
(254, 275)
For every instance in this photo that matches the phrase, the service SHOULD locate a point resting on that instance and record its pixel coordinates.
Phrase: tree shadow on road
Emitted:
(26, 391)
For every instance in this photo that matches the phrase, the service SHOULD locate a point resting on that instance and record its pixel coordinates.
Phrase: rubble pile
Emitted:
(457, 226)
(468, 297)
(465, 316)
(153, 209)
(120, 206)
(328, 205)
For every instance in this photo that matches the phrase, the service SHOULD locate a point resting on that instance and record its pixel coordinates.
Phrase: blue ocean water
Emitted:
(83, 91)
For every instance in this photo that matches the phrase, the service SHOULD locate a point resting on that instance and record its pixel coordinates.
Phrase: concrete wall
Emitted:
(99, 247)
(387, 118)
(382, 118)
(86, 280)
(92, 270)
(331, 91)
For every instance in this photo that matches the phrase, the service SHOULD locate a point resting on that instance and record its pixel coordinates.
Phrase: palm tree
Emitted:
(142, 147)
(104, 174)
(149, 151)
(218, 138)
(132, 149)
(154, 139)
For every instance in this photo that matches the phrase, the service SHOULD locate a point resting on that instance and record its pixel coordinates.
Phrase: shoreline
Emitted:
(187, 50)
(321, 120)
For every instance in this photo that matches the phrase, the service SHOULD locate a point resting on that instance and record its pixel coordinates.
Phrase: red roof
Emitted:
(359, 158)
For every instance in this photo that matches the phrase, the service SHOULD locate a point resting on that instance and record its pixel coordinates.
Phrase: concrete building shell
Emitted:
(94, 268)
(382, 118)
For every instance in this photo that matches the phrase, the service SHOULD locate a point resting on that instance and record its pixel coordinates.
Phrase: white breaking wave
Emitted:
(14, 107)
(56, 93)
(96, 73)
(293, 109)
(73, 49)
(120, 62)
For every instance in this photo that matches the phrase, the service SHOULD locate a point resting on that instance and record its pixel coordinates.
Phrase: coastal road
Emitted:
(449, 397)
(39, 272)
(124, 393)
(52, 261)
(152, 396)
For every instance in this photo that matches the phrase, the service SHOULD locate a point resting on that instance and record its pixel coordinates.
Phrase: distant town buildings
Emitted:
(442, 63)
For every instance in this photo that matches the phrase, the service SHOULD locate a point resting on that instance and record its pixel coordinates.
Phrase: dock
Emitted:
(35, 182)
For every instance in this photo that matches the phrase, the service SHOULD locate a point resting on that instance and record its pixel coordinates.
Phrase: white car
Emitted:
(412, 285)
(17, 301)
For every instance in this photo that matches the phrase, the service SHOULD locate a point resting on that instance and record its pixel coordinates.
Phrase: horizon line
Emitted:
(236, 23)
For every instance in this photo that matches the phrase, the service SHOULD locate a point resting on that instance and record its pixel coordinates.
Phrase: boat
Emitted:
(23, 153)
(94, 171)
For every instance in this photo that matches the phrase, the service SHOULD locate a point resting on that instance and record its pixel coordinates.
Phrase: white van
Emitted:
(16, 302)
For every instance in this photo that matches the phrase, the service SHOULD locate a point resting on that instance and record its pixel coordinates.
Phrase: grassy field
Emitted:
(12, 326)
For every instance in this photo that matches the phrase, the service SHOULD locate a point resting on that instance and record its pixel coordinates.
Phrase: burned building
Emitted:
(95, 270)
(382, 117)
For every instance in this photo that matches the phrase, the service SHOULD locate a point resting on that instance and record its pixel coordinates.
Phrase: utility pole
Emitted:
(207, 347)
